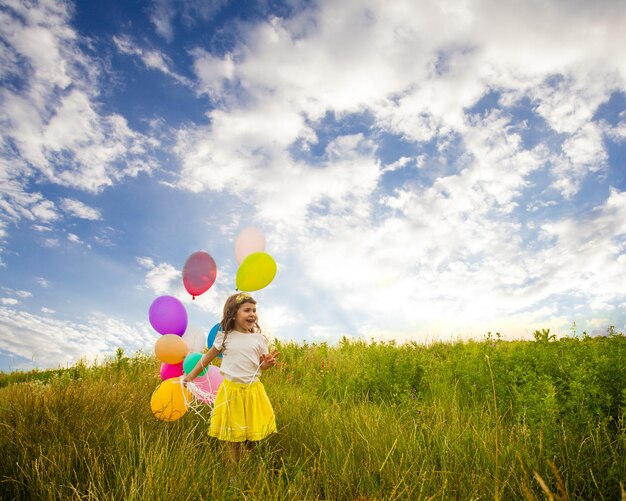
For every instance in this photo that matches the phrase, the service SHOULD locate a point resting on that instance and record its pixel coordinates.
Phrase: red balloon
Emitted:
(199, 273)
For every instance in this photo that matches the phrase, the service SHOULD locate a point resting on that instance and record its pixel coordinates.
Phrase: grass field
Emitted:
(494, 419)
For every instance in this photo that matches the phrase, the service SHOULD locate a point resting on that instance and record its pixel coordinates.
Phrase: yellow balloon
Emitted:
(170, 349)
(256, 271)
(170, 400)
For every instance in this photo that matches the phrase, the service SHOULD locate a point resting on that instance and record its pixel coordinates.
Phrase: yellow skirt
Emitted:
(242, 412)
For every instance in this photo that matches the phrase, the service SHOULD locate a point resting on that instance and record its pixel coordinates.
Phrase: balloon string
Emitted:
(255, 374)
(199, 393)
(192, 403)
(201, 399)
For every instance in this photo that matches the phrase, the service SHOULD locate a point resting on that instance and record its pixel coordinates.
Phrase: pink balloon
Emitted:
(171, 370)
(215, 377)
(209, 383)
(250, 240)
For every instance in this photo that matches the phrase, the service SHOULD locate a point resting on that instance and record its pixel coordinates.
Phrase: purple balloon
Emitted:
(168, 315)
(171, 370)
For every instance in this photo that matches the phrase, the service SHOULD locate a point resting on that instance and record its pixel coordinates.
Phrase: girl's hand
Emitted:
(269, 360)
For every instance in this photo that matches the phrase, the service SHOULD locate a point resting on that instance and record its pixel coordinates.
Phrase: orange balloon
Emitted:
(170, 349)
(170, 400)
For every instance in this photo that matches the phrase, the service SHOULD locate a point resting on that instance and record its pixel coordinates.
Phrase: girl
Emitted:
(242, 412)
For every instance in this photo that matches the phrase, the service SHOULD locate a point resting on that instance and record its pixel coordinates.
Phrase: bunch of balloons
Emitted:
(168, 316)
(170, 401)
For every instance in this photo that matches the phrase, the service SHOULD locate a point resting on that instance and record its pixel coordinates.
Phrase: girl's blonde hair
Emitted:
(231, 307)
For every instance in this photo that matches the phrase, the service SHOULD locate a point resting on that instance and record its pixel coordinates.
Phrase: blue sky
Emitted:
(420, 170)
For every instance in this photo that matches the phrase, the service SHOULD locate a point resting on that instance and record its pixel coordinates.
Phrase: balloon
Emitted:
(171, 370)
(209, 383)
(255, 272)
(194, 338)
(170, 400)
(170, 348)
(199, 273)
(249, 240)
(191, 360)
(203, 384)
(215, 378)
(211, 337)
(168, 315)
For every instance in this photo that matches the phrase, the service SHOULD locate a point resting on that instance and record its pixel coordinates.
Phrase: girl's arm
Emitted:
(202, 364)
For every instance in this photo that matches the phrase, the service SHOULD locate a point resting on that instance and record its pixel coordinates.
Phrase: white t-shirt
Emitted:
(241, 355)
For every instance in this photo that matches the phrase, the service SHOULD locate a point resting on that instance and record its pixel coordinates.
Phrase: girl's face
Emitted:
(245, 318)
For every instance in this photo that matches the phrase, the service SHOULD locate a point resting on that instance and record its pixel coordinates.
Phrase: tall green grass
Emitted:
(360, 420)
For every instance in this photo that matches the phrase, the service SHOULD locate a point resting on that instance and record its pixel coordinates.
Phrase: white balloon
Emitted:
(194, 338)
(249, 240)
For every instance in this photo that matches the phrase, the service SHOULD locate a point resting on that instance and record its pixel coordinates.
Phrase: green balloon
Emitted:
(256, 271)
(191, 361)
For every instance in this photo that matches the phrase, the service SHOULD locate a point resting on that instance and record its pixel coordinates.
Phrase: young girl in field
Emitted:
(242, 413)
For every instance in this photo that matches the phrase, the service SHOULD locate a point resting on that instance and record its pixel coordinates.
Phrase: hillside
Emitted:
(360, 420)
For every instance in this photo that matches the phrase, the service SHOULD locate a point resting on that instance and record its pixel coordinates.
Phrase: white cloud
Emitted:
(586, 255)
(74, 238)
(45, 211)
(145, 262)
(51, 127)
(162, 16)
(212, 72)
(583, 153)
(164, 13)
(50, 342)
(9, 301)
(239, 148)
(617, 133)
(51, 242)
(302, 108)
(160, 279)
(398, 164)
(107, 236)
(17, 204)
(42, 282)
(76, 208)
(457, 243)
(47, 311)
(416, 78)
(151, 58)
